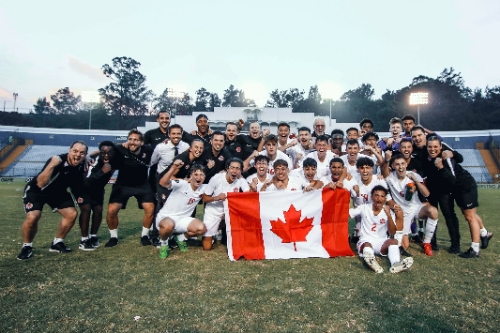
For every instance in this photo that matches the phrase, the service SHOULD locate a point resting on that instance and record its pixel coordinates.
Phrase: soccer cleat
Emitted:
(163, 251)
(403, 265)
(403, 252)
(371, 261)
(470, 253)
(427, 247)
(145, 241)
(86, 245)
(113, 241)
(156, 241)
(354, 239)
(26, 253)
(172, 244)
(181, 244)
(59, 247)
(95, 242)
(416, 238)
(193, 242)
(485, 240)
(434, 246)
(454, 249)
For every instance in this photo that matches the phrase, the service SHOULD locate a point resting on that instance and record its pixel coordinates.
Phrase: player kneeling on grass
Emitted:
(175, 215)
(215, 194)
(377, 221)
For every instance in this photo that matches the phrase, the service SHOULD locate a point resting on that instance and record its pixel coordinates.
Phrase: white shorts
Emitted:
(211, 220)
(376, 243)
(408, 219)
(181, 222)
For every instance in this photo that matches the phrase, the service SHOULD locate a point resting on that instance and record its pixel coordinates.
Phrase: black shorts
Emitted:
(96, 198)
(467, 198)
(35, 200)
(121, 194)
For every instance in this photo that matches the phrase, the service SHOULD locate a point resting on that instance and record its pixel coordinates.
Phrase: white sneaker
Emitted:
(372, 262)
(403, 265)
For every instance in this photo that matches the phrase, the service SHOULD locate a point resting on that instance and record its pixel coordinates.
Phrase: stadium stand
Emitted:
(473, 162)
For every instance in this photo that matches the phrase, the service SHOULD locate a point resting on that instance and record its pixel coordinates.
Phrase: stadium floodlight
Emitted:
(419, 99)
(90, 97)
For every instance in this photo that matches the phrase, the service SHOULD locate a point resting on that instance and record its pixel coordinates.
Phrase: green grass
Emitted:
(102, 291)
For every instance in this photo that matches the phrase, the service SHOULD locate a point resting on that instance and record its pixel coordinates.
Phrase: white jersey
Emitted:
(294, 152)
(294, 184)
(365, 191)
(348, 184)
(279, 156)
(217, 185)
(323, 168)
(398, 189)
(259, 183)
(182, 201)
(299, 173)
(352, 168)
(372, 225)
(164, 154)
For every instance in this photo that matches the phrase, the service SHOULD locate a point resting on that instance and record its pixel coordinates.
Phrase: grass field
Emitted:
(104, 290)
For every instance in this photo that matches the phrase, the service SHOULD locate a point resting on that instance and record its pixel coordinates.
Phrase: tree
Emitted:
(43, 106)
(236, 98)
(184, 106)
(213, 101)
(202, 102)
(65, 102)
(127, 94)
(363, 92)
(285, 98)
(166, 102)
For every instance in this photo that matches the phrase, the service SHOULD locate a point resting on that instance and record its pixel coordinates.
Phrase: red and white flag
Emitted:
(284, 225)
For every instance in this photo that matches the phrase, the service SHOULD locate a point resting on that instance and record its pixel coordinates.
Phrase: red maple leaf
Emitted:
(293, 230)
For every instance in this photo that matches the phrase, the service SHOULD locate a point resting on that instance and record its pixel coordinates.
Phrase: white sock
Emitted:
(475, 246)
(84, 239)
(399, 237)
(113, 233)
(93, 236)
(368, 251)
(483, 232)
(164, 242)
(393, 254)
(181, 237)
(28, 244)
(430, 228)
(57, 240)
(145, 231)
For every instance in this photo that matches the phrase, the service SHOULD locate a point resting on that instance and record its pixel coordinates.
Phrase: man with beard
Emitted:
(299, 151)
(399, 181)
(377, 222)
(257, 180)
(98, 176)
(175, 217)
(214, 195)
(319, 128)
(282, 182)
(132, 180)
(215, 156)
(50, 187)
(322, 155)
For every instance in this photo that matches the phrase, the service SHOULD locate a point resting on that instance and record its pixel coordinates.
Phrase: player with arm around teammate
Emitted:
(377, 221)
(175, 216)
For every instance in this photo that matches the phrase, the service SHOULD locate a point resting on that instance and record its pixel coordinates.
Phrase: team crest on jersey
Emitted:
(187, 166)
(236, 189)
(401, 193)
(382, 221)
(221, 158)
(293, 189)
(143, 155)
(238, 149)
(29, 205)
(163, 197)
(79, 200)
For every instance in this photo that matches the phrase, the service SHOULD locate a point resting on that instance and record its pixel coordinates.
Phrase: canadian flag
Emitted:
(284, 225)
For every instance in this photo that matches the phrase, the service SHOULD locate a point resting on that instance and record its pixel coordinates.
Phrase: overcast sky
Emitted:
(258, 46)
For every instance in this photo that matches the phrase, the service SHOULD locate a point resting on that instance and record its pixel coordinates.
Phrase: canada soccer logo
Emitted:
(382, 221)
(221, 158)
(143, 155)
(238, 149)
(29, 205)
(80, 200)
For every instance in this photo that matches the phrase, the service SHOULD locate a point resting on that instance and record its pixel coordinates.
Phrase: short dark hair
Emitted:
(231, 123)
(337, 131)
(201, 115)
(162, 111)
(217, 133)
(434, 138)
(321, 138)
(409, 117)
(197, 140)
(336, 160)
(364, 121)
(281, 124)
(397, 155)
(270, 138)
(352, 142)
(304, 129)
(405, 140)
(106, 143)
(234, 159)
(175, 126)
(280, 162)
(368, 135)
(197, 167)
(352, 129)
(364, 161)
(310, 162)
(136, 131)
(418, 127)
(261, 158)
(379, 188)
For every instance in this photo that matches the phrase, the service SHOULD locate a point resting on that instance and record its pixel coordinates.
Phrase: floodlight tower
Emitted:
(418, 99)
(15, 98)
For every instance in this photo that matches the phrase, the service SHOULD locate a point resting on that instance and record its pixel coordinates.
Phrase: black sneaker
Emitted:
(59, 247)
(470, 253)
(145, 241)
(95, 242)
(354, 239)
(172, 244)
(403, 252)
(435, 247)
(26, 253)
(113, 241)
(416, 239)
(86, 245)
(156, 241)
(485, 240)
(193, 242)
(455, 249)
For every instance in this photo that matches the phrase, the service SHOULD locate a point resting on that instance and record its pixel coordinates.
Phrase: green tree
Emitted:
(214, 101)
(43, 106)
(202, 102)
(127, 95)
(166, 102)
(236, 98)
(285, 98)
(64, 101)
